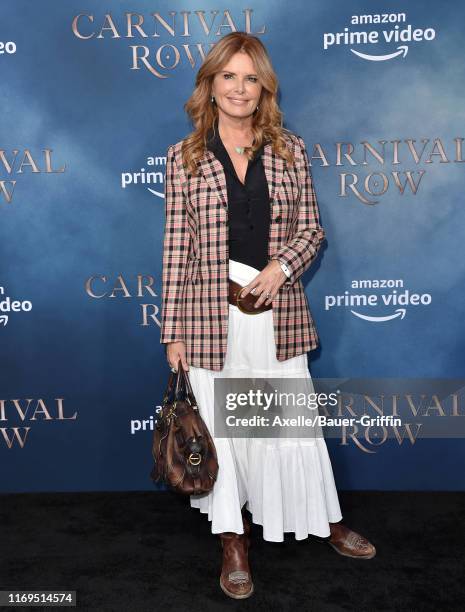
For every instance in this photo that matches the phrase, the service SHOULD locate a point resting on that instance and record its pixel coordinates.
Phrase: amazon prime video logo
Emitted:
(390, 301)
(151, 176)
(7, 306)
(384, 29)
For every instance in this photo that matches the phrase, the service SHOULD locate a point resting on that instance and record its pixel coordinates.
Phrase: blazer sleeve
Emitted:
(299, 252)
(175, 253)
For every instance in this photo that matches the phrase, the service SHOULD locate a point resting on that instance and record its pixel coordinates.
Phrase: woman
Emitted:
(240, 208)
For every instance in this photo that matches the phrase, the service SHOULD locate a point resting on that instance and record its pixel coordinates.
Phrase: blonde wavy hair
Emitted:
(267, 122)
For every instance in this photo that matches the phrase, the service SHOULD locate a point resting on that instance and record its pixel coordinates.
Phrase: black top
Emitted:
(248, 205)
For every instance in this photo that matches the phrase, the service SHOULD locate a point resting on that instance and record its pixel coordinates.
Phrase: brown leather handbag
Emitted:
(183, 449)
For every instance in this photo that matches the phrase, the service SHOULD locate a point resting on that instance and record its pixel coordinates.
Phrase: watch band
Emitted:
(285, 269)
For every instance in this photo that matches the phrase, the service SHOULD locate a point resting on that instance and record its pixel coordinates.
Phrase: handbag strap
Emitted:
(183, 379)
(190, 391)
(169, 388)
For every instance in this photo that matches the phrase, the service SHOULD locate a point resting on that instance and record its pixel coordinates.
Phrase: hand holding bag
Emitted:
(183, 449)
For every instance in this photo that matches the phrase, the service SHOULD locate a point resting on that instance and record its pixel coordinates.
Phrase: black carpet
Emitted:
(147, 551)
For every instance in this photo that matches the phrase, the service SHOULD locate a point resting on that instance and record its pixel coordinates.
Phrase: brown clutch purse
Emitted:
(246, 304)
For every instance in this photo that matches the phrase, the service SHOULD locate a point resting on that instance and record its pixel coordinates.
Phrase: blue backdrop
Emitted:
(88, 111)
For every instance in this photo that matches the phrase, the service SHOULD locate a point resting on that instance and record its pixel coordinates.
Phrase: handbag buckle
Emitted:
(195, 458)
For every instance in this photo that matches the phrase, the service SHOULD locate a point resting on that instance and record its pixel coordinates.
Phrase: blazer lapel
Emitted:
(212, 171)
(274, 170)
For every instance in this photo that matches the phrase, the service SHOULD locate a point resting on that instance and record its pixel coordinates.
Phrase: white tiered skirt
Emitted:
(287, 483)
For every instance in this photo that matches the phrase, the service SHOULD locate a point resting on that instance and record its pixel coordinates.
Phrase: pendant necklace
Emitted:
(240, 150)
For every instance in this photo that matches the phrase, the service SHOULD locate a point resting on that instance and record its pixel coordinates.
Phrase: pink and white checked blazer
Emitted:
(195, 307)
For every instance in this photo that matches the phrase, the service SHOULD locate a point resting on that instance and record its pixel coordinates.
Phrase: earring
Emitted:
(213, 99)
(258, 106)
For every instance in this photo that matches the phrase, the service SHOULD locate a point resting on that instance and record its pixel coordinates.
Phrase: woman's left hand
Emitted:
(268, 282)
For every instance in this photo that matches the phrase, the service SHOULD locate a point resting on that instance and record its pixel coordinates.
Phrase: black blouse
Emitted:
(248, 206)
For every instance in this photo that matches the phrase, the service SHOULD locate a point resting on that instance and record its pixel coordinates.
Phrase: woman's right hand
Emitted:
(176, 351)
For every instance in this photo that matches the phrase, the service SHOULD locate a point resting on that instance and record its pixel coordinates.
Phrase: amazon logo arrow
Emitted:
(403, 50)
(157, 193)
(400, 312)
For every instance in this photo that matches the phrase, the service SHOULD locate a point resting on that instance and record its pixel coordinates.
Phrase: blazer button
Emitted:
(278, 219)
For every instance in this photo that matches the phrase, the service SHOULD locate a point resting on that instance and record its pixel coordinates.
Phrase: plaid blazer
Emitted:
(195, 307)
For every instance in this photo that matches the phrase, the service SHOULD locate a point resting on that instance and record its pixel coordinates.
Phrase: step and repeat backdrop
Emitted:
(92, 95)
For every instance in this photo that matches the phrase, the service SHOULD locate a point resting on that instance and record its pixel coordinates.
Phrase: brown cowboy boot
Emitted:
(236, 579)
(350, 543)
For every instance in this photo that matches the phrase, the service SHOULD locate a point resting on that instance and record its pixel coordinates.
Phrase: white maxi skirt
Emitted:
(287, 484)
